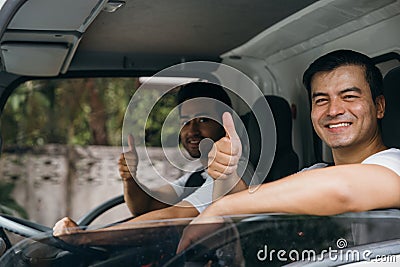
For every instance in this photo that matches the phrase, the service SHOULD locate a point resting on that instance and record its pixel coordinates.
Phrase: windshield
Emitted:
(272, 240)
(2, 2)
(62, 140)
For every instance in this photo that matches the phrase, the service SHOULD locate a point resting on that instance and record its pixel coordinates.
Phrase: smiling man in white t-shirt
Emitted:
(347, 104)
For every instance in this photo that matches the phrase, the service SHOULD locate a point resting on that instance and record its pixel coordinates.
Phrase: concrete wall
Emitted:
(56, 180)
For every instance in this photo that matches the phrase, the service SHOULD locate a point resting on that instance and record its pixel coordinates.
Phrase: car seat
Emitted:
(286, 161)
(391, 120)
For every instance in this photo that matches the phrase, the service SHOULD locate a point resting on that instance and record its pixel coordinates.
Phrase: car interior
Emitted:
(239, 44)
(390, 122)
(286, 161)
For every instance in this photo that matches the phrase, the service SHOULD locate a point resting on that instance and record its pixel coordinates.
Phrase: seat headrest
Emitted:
(283, 123)
(283, 120)
(391, 120)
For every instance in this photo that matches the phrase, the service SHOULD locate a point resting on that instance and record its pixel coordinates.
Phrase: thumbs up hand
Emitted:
(128, 161)
(224, 156)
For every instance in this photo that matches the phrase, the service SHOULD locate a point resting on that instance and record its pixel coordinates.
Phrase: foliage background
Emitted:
(79, 111)
(74, 112)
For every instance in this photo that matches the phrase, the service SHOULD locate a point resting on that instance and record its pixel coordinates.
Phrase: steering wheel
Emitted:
(21, 226)
(30, 229)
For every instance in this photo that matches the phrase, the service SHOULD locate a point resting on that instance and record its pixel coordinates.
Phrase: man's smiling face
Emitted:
(197, 124)
(343, 112)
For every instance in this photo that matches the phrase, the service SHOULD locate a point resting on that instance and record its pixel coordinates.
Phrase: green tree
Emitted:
(86, 111)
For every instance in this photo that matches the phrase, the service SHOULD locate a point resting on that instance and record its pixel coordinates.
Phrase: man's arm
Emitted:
(135, 195)
(246, 175)
(140, 202)
(181, 210)
(328, 191)
(223, 160)
(333, 190)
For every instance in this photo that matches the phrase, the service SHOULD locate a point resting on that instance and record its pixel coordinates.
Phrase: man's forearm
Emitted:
(138, 200)
(180, 210)
(328, 191)
(239, 186)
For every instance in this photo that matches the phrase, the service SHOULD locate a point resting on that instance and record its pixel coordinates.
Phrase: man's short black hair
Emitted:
(343, 57)
(205, 89)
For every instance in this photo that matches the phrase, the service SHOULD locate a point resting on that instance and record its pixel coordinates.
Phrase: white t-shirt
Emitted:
(372, 231)
(389, 158)
(201, 197)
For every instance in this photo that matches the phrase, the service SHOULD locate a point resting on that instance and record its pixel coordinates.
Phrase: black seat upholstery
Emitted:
(286, 161)
(391, 120)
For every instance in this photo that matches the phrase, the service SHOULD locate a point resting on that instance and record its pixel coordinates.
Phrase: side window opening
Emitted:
(62, 141)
